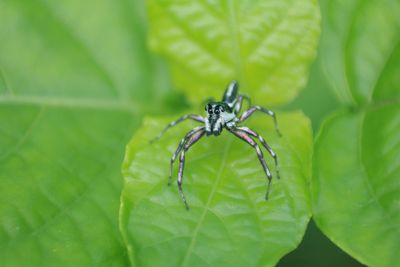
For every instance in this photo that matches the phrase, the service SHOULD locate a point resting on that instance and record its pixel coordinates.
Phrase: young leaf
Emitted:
(266, 45)
(229, 222)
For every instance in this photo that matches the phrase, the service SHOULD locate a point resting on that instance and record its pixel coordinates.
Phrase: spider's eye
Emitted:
(216, 111)
(208, 108)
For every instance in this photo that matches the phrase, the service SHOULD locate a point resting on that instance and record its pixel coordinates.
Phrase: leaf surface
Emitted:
(59, 185)
(355, 187)
(360, 44)
(266, 45)
(74, 79)
(230, 223)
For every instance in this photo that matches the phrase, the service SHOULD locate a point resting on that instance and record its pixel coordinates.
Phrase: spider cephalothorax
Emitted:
(218, 114)
(223, 115)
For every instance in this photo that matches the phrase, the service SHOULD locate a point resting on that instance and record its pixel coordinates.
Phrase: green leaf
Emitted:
(356, 187)
(230, 223)
(59, 185)
(72, 75)
(266, 45)
(77, 50)
(360, 44)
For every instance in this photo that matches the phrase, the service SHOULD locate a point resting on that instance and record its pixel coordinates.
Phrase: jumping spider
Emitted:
(220, 115)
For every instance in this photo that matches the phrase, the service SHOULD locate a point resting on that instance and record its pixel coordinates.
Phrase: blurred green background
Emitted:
(76, 80)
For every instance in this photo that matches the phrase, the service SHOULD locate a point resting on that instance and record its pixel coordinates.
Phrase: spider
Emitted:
(220, 115)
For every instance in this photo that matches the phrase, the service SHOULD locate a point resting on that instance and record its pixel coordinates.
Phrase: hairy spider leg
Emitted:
(238, 105)
(179, 148)
(245, 137)
(193, 139)
(253, 109)
(194, 117)
(265, 144)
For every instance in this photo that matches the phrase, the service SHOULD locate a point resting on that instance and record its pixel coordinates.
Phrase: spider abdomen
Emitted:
(231, 93)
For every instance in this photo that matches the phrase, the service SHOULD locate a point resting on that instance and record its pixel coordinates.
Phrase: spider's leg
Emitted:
(173, 123)
(193, 139)
(253, 109)
(265, 144)
(179, 148)
(239, 102)
(245, 137)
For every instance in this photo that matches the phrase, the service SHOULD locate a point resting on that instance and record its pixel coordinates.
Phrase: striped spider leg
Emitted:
(239, 102)
(194, 117)
(243, 135)
(222, 115)
(265, 144)
(179, 148)
(191, 140)
(253, 109)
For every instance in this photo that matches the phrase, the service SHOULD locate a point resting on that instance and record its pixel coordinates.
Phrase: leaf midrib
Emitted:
(235, 39)
(128, 106)
(206, 207)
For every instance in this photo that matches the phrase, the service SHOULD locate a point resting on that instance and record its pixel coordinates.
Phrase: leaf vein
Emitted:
(368, 184)
(200, 45)
(25, 136)
(74, 36)
(259, 45)
(207, 206)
